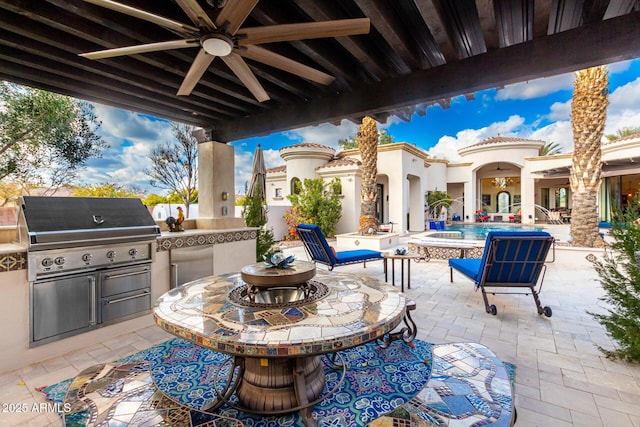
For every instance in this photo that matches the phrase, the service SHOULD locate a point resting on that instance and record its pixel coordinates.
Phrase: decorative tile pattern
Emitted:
(442, 252)
(13, 261)
(375, 384)
(469, 386)
(209, 238)
(356, 310)
(119, 394)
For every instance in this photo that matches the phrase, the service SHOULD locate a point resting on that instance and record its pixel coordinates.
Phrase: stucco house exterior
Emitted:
(504, 177)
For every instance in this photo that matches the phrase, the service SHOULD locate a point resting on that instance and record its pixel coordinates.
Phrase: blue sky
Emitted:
(538, 109)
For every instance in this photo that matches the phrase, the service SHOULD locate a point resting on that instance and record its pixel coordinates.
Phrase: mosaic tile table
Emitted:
(277, 350)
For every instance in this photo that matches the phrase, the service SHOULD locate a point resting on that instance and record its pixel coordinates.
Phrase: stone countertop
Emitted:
(9, 248)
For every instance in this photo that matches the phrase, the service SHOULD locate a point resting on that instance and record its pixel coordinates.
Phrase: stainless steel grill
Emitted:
(89, 262)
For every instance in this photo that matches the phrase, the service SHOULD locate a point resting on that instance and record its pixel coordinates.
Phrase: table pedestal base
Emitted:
(276, 385)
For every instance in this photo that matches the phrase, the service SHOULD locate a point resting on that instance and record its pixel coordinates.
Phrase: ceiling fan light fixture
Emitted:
(217, 44)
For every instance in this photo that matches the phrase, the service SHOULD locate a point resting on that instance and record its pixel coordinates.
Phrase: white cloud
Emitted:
(325, 134)
(536, 88)
(560, 111)
(559, 132)
(448, 146)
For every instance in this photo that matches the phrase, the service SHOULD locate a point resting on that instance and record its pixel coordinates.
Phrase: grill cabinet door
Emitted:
(62, 307)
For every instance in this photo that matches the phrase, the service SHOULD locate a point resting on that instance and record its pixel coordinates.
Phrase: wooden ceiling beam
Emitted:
(518, 63)
(85, 91)
(362, 53)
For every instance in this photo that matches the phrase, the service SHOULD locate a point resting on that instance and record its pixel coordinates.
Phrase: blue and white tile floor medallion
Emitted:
(377, 381)
(167, 385)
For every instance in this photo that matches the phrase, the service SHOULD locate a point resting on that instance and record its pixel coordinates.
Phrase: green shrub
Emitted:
(317, 203)
(255, 215)
(620, 278)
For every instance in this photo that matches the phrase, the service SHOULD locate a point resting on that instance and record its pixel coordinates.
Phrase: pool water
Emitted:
(479, 231)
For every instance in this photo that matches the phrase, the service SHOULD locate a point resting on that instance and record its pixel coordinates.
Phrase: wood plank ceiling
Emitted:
(417, 53)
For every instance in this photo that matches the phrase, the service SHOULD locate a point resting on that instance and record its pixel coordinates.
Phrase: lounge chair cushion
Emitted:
(470, 267)
(345, 257)
(320, 251)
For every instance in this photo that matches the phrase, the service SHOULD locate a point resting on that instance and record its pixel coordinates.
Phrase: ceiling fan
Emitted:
(222, 36)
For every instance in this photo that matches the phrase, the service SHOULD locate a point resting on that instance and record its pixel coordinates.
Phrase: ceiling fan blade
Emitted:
(197, 14)
(146, 16)
(265, 56)
(197, 69)
(234, 14)
(246, 76)
(141, 48)
(304, 31)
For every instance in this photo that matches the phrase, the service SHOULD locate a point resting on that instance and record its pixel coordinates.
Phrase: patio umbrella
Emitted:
(258, 174)
(258, 177)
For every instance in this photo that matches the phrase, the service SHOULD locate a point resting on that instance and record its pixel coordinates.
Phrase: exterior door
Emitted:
(380, 204)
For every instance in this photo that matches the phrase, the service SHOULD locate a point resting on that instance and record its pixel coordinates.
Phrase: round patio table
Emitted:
(279, 348)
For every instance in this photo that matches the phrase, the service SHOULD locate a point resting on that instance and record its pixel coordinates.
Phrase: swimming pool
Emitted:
(478, 231)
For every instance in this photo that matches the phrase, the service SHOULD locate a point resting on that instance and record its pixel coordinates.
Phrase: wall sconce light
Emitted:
(467, 217)
(225, 211)
(530, 216)
(225, 195)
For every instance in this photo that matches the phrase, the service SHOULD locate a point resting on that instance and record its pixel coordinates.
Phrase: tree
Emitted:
(550, 149)
(45, 138)
(436, 200)
(317, 203)
(623, 133)
(254, 216)
(368, 145)
(155, 199)
(352, 143)
(103, 190)
(175, 164)
(588, 117)
(619, 272)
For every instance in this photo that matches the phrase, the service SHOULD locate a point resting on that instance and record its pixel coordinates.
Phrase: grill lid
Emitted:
(54, 222)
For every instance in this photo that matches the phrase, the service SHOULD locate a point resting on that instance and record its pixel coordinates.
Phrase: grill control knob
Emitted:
(86, 257)
(59, 260)
(133, 252)
(47, 262)
(111, 255)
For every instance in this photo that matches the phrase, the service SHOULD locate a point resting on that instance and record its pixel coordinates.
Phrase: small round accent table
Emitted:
(279, 343)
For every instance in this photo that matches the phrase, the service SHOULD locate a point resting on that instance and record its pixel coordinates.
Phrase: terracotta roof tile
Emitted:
(306, 144)
(500, 139)
(344, 161)
(634, 136)
(281, 168)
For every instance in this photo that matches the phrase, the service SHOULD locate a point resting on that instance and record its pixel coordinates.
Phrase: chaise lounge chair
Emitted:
(320, 252)
(510, 260)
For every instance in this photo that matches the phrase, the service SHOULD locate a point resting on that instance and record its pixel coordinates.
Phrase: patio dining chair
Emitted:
(320, 252)
(510, 260)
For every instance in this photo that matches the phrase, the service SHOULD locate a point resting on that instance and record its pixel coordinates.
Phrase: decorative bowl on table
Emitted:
(401, 251)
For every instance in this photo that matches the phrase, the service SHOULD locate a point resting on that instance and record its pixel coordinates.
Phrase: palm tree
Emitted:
(624, 132)
(550, 149)
(368, 144)
(588, 116)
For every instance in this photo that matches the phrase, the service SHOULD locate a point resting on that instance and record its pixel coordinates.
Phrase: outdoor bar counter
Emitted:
(232, 248)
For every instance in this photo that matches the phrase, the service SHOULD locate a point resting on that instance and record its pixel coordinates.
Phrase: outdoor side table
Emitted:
(393, 257)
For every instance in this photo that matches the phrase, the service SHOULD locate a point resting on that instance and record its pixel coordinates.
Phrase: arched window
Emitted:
(296, 186)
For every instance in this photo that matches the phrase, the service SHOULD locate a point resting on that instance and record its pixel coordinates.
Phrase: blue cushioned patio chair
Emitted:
(510, 260)
(319, 250)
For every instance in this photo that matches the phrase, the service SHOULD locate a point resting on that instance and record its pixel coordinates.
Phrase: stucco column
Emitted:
(527, 187)
(470, 196)
(216, 192)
